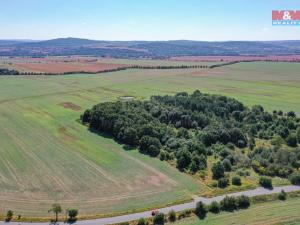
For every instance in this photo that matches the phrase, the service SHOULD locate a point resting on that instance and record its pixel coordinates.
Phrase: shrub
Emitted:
(9, 216)
(214, 207)
(218, 170)
(227, 165)
(291, 140)
(201, 210)
(142, 221)
(172, 216)
(236, 181)
(243, 173)
(243, 202)
(228, 204)
(282, 195)
(72, 213)
(266, 182)
(223, 182)
(295, 178)
(159, 219)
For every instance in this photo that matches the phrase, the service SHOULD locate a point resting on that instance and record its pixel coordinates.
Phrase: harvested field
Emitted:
(283, 58)
(81, 64)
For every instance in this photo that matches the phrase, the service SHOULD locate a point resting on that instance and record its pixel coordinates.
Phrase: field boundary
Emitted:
(177, 208)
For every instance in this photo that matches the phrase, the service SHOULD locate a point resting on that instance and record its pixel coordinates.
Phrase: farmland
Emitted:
(278, 212)
(48, 156)
(82, 64)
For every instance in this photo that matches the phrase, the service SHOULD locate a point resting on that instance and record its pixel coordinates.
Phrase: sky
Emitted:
(211, 20)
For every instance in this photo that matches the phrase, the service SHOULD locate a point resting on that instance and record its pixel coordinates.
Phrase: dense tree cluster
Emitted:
(187, 128)
(9, 72)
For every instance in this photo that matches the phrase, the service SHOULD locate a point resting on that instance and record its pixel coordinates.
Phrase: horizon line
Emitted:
(141, 40)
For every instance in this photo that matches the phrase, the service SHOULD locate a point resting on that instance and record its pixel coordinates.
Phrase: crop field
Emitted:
(283, 58)
(48, 156)
(286, 212)
(79, 64)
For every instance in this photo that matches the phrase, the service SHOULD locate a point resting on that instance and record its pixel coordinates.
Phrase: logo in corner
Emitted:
(286, 17)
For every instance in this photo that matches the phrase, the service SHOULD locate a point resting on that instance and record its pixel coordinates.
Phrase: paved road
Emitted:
(180, 207)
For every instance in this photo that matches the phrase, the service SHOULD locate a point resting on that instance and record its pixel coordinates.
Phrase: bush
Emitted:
(72, 213)
(214, 207)
(243, 202)
(184, 214)
(236, 181)
(172, 216)
(218, 170)
(142, 221)
(295, 178)
(201, 210)
(223, 182)
(282, 195)
(243, 172)
(9, 216)
(266, 182)
(228, 204)
(159, 219)
(291, 140)
(227, 165)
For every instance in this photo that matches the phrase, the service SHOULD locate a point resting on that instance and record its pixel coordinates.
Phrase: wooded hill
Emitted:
(187, 129)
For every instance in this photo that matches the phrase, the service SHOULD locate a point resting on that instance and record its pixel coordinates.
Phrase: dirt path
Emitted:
(180, 207)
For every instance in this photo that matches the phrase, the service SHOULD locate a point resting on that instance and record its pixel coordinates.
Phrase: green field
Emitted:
(278, 212)
(47, 156)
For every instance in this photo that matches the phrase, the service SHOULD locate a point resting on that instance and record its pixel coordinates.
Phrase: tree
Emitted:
(236, 181)
(229, 204)
(223, 182)
(183, 159)
(295, 178)
(150, 145)
(243, 202)
(142, 221)
(9, 216)
(172, 216)
(159, 219)
(282, 195)
(56, 209)
(266, 182)
(201, 210)
(298, 134)
(227, 165)
(72, 213)
(218, 170)
(214, 207)
(291, 140)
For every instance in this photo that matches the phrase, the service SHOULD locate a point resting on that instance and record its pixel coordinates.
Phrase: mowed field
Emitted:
(48, 156)
(82, 64)
(278, 212)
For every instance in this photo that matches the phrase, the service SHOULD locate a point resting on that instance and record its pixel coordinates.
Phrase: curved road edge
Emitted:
(135, 216)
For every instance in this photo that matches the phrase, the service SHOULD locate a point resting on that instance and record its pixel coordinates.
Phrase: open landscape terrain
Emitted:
(149, 112)
(49, 156)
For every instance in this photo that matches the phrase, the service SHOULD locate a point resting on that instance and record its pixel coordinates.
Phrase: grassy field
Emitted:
(47, 156)
(278, 212)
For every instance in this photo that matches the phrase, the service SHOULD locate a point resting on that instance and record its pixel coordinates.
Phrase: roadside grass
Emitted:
(47, 156)
(273, 212)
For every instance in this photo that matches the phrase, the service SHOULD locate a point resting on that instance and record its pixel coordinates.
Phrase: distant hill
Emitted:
(146, 49)
(64, 42)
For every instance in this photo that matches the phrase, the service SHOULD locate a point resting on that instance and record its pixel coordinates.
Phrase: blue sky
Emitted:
(145, 19)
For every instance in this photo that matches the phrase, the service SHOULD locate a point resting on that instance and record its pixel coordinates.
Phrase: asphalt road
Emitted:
(180, 207)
